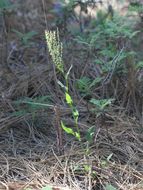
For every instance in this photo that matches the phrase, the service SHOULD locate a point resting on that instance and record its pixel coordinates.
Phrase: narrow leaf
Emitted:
(68, 98)
(61, 85)
(75, 113)
(67, 129)
(68, 72)
(90, 134)
(77, 135)
(109, 157)
(47, 188)
(110, 187)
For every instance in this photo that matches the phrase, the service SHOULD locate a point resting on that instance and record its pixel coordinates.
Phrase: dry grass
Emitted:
(29, 158)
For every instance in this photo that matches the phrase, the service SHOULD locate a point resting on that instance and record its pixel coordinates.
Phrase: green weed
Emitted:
(108, 39)
(26, 37)
(100, 105)
(85, 84)
(5, 4)
(43, 188)
(110, 187)
(55, 48)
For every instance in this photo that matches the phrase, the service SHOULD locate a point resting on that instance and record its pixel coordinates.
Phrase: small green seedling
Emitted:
(90, 134)
(26, 37)
(100, 105)
(110, 187)
(47, 188)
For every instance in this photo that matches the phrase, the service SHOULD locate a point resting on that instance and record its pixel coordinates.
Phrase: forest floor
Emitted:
(30, 156)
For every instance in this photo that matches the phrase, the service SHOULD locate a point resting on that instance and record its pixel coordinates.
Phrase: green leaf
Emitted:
(42, 99)
(47, 188)
(75, 113)
(68, 72)
(90, 134)
(68, 99)
(95, 81)
(87, 168)
(139, 65)
(105, 103)
(19, 34)
(70, 131)
(61, 85)
(67, 129)
(109, 157)
(4, 4)
(77, 135)
(30, 34)
(83, 84)
(30, 105)
(26, 36)
(37, 104)
(110, 187)
(101, 104)
(104, 163)
(133, 34)
(19, 113)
